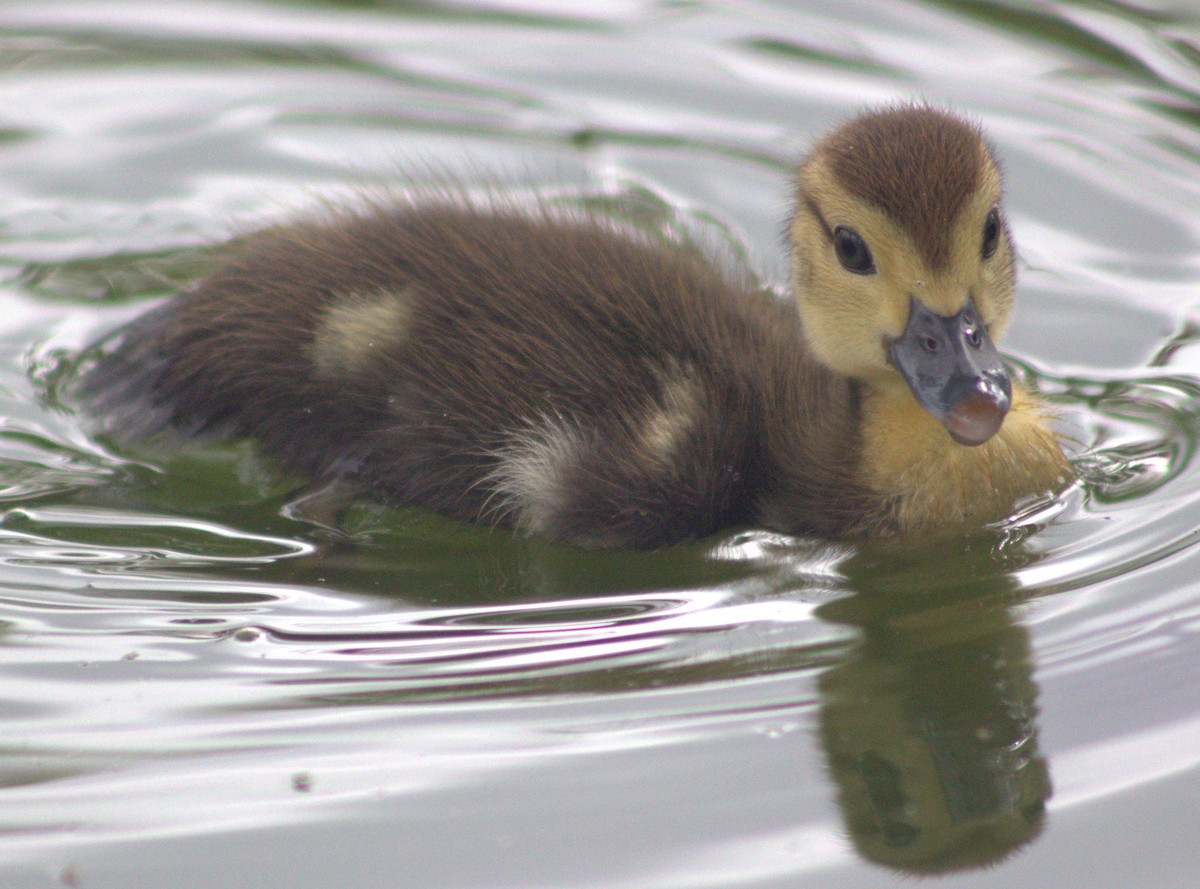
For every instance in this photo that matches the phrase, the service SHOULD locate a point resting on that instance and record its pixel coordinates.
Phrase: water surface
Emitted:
(199, 687)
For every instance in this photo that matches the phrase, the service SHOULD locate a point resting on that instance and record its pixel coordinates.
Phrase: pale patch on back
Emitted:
(672, 417)
(529, 484)
(353, 330)
(540, 468)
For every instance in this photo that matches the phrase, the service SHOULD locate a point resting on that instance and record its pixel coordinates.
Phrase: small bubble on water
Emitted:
(776, 730)
(302, 782)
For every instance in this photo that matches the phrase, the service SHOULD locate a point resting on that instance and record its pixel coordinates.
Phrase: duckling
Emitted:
(558, 374)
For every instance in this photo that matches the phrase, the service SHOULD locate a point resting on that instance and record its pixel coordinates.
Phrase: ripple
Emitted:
(574, 615)
(169, 540)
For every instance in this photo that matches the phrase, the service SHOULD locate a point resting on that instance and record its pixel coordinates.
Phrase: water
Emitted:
(199, 688)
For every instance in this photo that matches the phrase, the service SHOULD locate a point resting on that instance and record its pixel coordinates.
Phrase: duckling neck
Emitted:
(936, 483)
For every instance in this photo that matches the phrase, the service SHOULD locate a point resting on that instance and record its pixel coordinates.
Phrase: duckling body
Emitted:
(557, 374)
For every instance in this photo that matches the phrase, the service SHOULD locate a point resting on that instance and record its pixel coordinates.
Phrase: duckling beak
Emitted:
(954, 371)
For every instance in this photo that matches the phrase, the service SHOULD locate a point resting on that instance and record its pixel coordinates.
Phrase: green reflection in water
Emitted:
(808, 55)
(118, 277)
(1052, 27)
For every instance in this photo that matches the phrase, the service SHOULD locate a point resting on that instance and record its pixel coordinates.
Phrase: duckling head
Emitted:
(903, 266)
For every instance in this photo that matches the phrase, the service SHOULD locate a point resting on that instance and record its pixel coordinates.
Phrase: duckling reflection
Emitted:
(929, 723)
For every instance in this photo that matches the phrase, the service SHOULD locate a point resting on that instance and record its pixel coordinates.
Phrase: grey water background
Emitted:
(199, 687)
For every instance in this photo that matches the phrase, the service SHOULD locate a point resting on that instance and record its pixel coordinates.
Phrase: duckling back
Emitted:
(551, 373)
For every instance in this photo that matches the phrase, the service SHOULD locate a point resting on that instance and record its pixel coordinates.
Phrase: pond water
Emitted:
(199, 688)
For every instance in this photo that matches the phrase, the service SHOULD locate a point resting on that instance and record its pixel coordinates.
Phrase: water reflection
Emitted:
(929, 722)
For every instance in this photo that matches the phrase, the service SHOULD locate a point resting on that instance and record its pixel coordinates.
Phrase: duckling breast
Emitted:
(938, 484)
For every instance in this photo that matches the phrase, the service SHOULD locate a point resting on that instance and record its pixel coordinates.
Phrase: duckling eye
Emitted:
(852, 251)
(991, 233)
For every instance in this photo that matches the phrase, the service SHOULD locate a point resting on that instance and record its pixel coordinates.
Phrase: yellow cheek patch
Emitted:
(352, 331)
